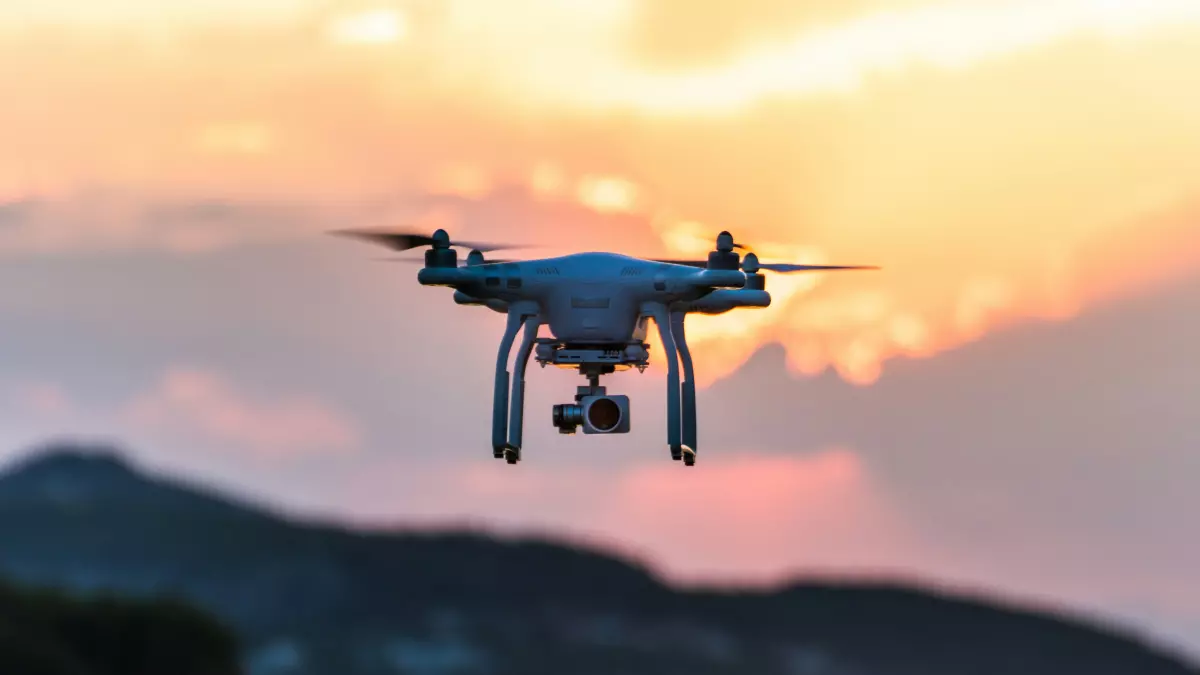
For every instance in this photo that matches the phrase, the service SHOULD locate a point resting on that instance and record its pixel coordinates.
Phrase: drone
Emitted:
(597, 307)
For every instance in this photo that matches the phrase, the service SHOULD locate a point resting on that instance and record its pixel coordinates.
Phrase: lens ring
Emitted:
(604, 414)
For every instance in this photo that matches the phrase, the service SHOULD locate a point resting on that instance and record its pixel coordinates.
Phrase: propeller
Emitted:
(687, 263)
(751, 265)
(404, 241)
(465, 263)
(785, 268)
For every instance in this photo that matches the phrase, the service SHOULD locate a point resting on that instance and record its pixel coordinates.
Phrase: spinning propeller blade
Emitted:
(404, 241)
(689, 263)
(785, 267)
(461, 263)
(782, 268)
(750, 264)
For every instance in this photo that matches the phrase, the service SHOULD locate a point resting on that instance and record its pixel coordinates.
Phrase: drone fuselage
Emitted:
(595, 298)
(598, 307)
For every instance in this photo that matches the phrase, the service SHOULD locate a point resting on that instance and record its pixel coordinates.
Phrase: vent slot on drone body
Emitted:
(590, 303)
(548, 271)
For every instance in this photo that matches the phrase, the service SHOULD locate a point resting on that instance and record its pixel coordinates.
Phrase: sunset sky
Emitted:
(1007, 405)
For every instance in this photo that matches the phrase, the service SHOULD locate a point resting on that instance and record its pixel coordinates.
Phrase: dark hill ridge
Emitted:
(319, 599)
(52, 633)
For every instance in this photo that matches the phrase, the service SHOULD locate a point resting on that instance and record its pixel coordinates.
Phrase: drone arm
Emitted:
(500, 393)
(517, 403)
(724, 300)
(720, 278)
(689, 381)
(640, 328)
(663, 321)
(442, 276)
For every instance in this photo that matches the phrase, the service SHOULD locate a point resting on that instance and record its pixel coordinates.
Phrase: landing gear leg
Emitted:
(512, 451)
(688, 395)
(663, 321)
(500, 392)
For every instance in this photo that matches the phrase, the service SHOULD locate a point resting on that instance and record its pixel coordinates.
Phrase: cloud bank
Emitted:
(1003, 160)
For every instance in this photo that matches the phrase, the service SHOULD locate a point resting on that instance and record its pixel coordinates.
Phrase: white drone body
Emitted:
(596, 307)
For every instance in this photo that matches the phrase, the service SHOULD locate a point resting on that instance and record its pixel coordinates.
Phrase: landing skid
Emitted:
(687, 455)
(592, 361)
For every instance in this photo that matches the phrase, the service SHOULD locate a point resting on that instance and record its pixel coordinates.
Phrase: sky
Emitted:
(1004, 406)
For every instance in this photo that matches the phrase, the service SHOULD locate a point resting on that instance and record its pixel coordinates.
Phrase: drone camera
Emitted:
(567, 417)
(596, 414)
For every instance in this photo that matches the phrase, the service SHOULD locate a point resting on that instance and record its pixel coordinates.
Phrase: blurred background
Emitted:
(1006, 409)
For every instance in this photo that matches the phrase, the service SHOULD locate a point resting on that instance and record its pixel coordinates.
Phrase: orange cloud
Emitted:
(369, 26)
(1027, 163)
(240, 138)
(677, 34)
(607, 194)
(206, 405)
(463, 180)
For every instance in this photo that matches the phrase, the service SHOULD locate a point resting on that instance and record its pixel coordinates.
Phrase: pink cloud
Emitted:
(42, 399)
(113, 220)
(189, 401)
(759, 517)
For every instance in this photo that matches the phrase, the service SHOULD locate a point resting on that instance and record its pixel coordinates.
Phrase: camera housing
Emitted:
(595, 413)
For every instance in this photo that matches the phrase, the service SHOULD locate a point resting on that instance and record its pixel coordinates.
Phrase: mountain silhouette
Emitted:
(320, 599)
(52, 633)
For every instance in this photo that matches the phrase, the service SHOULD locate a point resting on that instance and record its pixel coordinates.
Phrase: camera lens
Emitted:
(604, 414)
(567, 416)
